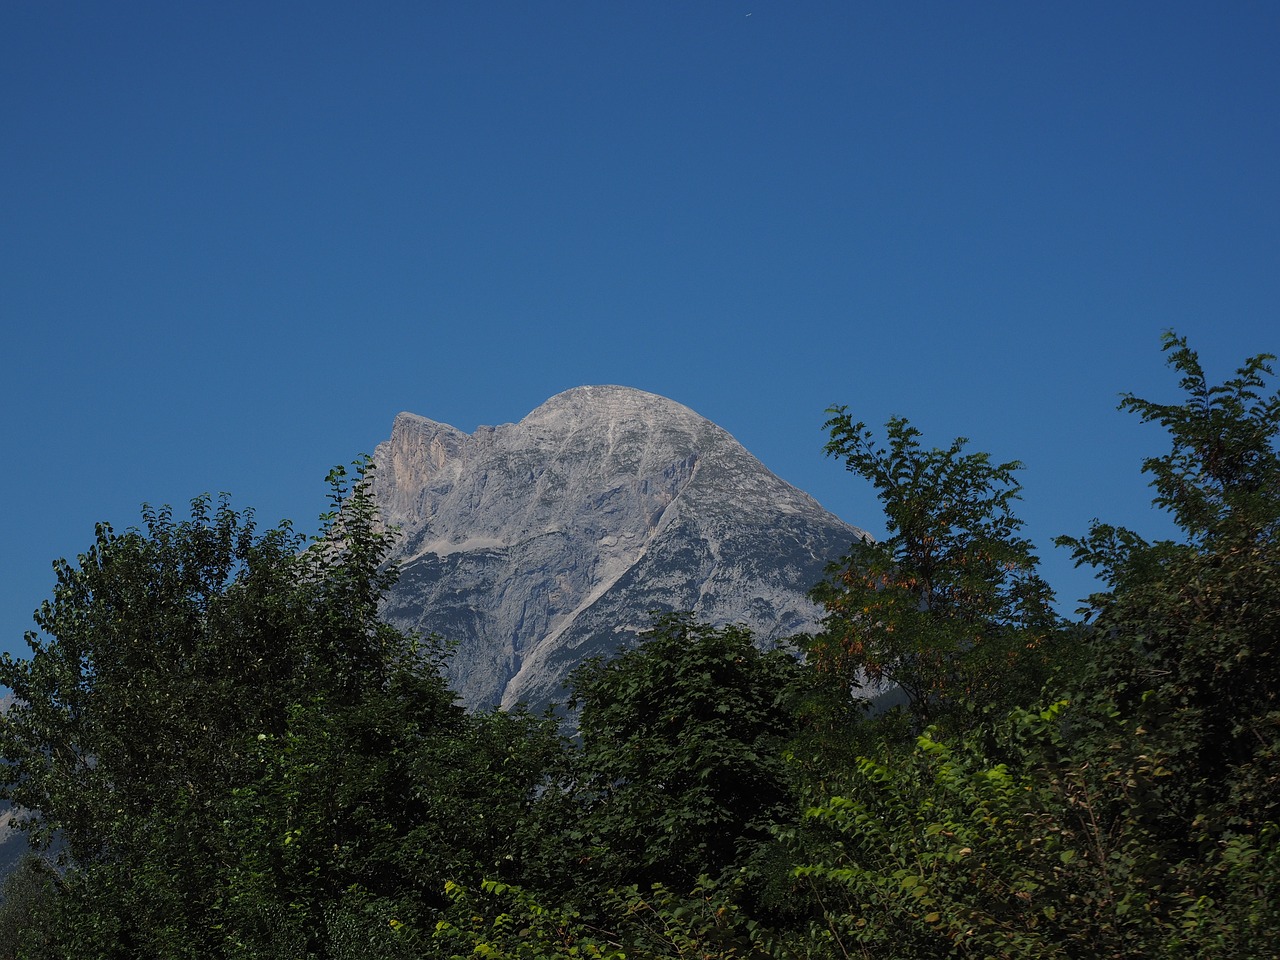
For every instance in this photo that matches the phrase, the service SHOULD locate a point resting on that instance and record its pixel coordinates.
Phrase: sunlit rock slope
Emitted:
(535, 544)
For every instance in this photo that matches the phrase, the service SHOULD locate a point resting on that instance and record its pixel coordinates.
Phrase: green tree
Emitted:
(223, 733)
(948, 608)
(948, 852)
(159, 650)
(504, 922)
(363, 813)
(1136, 816)
(1183, 651)
(27, 908)
(680, 765)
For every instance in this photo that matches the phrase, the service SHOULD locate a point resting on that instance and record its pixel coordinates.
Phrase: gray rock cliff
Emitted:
(536, 544)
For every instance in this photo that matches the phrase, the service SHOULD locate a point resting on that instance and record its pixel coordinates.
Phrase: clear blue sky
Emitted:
(237, 238)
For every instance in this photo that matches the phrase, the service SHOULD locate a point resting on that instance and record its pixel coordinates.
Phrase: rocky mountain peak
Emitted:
(534, 544)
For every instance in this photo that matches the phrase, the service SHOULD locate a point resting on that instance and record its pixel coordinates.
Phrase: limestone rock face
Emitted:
(536, 544)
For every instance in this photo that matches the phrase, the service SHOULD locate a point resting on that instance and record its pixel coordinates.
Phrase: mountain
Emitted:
(533, 545)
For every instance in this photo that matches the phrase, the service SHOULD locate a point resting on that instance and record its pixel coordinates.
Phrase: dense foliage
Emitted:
(948, 608)
(239, 759)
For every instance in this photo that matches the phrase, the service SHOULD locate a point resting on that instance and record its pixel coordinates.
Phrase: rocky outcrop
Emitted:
(533, 545)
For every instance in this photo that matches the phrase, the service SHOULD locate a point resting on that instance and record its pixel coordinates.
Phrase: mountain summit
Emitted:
(535, 544)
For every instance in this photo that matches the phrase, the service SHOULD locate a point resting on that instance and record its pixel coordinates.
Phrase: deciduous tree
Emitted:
(227, 738)
(1185, 646)
(681, 762)
(949, 607)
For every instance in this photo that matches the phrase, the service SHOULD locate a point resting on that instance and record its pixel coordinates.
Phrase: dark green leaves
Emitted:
(1219, 478)
(680, 751)
(220, 728)
(949, 608)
